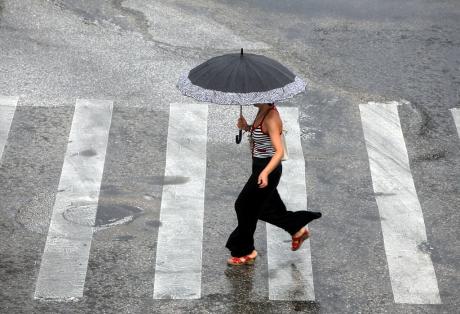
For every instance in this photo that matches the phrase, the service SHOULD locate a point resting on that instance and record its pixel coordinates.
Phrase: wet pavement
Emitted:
(132, 52)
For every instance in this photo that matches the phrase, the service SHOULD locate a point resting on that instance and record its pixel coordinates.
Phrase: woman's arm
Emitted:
(274, 130)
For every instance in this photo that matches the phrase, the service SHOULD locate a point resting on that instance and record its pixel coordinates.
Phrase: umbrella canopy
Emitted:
(240, 79)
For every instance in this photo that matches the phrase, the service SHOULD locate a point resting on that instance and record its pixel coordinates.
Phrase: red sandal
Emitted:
(297, 241)
(243, 260)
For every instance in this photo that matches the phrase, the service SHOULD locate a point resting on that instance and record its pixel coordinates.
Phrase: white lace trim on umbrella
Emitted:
(289, 90)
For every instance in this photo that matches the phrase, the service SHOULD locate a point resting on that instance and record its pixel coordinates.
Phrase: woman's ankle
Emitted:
(300, 232)
(253, 253)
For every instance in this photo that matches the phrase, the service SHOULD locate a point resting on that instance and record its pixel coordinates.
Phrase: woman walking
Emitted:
(259, 199)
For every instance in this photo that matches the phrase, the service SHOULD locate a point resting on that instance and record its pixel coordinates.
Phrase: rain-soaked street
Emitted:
(117, 192)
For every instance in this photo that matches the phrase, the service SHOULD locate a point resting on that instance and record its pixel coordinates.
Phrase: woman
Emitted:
(259, 198)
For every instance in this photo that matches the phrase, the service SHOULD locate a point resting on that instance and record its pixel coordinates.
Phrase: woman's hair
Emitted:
(265, 103)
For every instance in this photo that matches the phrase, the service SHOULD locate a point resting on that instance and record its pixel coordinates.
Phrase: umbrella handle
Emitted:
(239, 136)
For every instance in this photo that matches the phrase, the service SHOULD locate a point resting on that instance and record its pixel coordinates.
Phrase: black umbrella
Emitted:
(240, 79)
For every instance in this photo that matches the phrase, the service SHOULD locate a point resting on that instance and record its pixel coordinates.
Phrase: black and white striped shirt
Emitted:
(262, 146)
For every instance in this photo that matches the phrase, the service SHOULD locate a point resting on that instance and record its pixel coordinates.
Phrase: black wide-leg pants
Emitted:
(255, 203)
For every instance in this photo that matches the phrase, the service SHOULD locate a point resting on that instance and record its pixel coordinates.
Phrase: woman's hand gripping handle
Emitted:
(242, 124)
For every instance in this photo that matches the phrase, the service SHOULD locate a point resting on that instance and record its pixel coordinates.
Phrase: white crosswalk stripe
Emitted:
(65, 258)
(179, 248)
(412, 275)
(456, 115)
(293, 283)
(7, 110)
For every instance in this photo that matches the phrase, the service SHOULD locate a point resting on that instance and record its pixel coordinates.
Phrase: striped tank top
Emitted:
(261, 144)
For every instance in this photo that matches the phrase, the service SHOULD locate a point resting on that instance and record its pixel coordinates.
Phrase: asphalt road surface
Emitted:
(117, 192)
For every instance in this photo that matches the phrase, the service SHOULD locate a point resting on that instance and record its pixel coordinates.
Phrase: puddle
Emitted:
(116, 214)
(107, 215)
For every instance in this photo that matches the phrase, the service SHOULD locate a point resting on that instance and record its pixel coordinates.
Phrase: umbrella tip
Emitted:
(241, 51)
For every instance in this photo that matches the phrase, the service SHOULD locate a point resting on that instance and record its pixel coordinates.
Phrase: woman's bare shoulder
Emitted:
(273, 118)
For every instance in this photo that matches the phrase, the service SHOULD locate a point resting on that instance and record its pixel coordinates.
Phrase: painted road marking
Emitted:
(179, 248)
(412, 275)
(290, 273)
(65, 258)
(456, 115)
(7, 108)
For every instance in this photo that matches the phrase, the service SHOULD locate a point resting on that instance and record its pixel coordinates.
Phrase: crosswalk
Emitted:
(178, 268)
(178, 263)
(65, 258)
(7, 109)
(456, 116)
(283, 281)
(411, 270)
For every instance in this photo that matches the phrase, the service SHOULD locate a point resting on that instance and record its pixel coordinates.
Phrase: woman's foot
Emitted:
(299, 237)
(243, 260)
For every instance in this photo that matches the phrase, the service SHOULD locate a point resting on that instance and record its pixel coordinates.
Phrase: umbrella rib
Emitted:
(206, 63)
(257, 73)
(231, 73)
(216, 74)
(261, 60)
